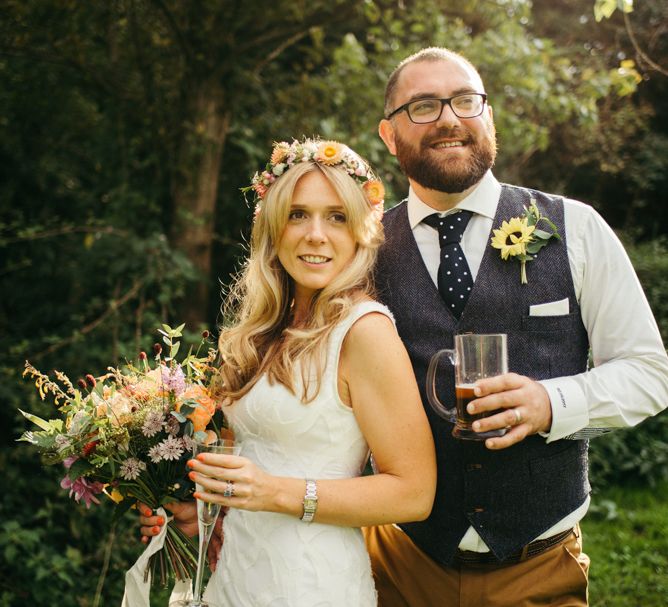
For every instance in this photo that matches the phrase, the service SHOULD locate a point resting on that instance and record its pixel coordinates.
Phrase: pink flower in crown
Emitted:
(260, 189)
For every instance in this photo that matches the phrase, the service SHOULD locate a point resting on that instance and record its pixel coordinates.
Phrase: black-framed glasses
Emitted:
(422, 111)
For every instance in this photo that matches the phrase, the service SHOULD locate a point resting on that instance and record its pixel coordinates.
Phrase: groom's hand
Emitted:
(523, 407)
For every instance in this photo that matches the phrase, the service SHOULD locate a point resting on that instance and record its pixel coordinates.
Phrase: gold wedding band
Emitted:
(518, 416)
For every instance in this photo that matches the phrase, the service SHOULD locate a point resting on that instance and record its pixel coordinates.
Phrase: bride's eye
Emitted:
(296, 215)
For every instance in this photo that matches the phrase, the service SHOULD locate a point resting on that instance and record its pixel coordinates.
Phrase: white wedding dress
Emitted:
(276, 560)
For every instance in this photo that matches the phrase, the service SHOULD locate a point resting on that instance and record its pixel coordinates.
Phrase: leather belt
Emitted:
(466, 557)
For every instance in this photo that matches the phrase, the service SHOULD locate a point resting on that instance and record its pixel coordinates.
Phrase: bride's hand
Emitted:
(234, 481)
(185, 517)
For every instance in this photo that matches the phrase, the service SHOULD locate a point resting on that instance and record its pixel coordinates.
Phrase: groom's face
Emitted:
(451, 154)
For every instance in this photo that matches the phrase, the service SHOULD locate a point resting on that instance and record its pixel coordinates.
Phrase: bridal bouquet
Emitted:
(129, 432)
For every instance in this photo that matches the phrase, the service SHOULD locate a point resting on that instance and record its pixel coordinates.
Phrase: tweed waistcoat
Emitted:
(513, 495)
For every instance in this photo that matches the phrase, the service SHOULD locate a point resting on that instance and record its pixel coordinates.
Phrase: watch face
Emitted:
(310, 504)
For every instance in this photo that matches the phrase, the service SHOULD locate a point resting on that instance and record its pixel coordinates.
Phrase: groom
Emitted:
(504, 527)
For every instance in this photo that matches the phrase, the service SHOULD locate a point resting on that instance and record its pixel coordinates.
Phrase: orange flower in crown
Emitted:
(375, 192)
(280, 152)
(285, 155)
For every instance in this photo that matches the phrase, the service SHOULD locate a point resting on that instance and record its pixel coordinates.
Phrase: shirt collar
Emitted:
(483, 200)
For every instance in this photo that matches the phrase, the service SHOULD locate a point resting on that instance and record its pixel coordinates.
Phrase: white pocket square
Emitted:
(551, 308)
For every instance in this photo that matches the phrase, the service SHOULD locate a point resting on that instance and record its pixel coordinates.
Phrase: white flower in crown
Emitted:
(278, 169)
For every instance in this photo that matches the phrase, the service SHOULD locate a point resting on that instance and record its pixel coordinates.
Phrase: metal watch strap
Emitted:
(310, 501)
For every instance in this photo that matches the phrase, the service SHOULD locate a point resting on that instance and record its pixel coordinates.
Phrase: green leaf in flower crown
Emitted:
(199, 436)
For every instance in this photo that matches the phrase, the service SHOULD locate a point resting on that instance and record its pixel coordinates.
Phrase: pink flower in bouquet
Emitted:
(81, 488)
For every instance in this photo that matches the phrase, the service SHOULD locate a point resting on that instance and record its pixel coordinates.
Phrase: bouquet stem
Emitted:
(177, 559)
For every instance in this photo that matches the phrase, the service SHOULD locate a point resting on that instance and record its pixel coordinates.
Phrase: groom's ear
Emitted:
(386, 132)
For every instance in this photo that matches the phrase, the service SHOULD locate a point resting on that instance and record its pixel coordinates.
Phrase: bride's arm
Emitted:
(376, 374)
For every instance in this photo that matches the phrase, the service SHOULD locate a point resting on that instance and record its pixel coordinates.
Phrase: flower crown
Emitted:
(329, 153)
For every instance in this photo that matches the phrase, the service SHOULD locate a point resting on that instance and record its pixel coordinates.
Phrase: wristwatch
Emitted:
(310, 501)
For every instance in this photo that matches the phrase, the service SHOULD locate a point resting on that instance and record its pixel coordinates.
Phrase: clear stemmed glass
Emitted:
(207, 514)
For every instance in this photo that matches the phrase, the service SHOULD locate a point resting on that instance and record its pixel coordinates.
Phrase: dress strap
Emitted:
(341, 330)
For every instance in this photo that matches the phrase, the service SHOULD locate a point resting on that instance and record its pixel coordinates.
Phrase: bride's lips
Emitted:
(315, 259)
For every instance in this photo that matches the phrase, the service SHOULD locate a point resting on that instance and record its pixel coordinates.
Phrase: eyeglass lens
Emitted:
(428, 110)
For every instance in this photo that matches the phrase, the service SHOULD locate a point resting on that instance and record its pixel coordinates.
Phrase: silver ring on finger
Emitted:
(518, 415)
(229, 489)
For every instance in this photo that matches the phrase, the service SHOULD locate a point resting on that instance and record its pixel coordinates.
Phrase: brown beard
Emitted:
(430, 174)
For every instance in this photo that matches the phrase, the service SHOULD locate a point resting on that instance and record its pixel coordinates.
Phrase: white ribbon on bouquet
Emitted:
(138, 591)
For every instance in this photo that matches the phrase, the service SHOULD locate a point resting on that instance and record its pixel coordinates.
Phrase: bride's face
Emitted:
(317, 243)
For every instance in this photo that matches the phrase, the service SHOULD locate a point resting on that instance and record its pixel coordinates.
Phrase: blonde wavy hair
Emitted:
(259, 338)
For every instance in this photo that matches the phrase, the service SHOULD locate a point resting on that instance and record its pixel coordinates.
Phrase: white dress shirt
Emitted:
(629, 380)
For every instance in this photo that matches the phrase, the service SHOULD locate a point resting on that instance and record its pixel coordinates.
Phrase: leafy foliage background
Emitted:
(127, 127)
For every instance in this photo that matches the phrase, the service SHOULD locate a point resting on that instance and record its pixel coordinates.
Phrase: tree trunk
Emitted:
(195, 189)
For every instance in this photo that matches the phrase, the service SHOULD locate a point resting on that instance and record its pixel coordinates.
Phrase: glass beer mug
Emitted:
(476, 356)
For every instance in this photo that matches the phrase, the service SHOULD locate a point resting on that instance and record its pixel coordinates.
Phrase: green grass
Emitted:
(626, 536)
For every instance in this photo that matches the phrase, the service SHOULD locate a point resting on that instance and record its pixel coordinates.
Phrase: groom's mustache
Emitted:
(444, 133)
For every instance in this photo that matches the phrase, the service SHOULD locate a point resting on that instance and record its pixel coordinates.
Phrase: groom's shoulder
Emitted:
(391, 215)
(571, 205)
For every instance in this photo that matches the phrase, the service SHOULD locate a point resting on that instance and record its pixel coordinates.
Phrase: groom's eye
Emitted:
(424, 106)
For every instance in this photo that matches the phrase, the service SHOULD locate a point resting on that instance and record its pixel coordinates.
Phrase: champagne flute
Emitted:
(207, 513)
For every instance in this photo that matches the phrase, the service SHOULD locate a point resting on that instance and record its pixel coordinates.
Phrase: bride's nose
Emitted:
(316, 231)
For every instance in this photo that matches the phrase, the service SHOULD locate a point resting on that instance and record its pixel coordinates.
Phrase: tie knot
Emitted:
(451, 227)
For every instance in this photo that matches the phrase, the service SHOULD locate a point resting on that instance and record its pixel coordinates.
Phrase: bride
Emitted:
(315, 378)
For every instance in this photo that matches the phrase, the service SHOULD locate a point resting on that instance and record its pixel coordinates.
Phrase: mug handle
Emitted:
(439, 408)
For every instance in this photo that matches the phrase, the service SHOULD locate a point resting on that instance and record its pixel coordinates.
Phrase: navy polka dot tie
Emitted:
(454, 276)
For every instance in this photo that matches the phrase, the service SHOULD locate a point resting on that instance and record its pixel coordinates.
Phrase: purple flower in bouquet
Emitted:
(81, 488)
(173, 379)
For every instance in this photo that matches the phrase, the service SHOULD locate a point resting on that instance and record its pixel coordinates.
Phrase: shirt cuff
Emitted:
(569, 407)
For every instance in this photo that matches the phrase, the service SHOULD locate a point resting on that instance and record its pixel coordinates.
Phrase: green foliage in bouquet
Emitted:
(128, 434)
